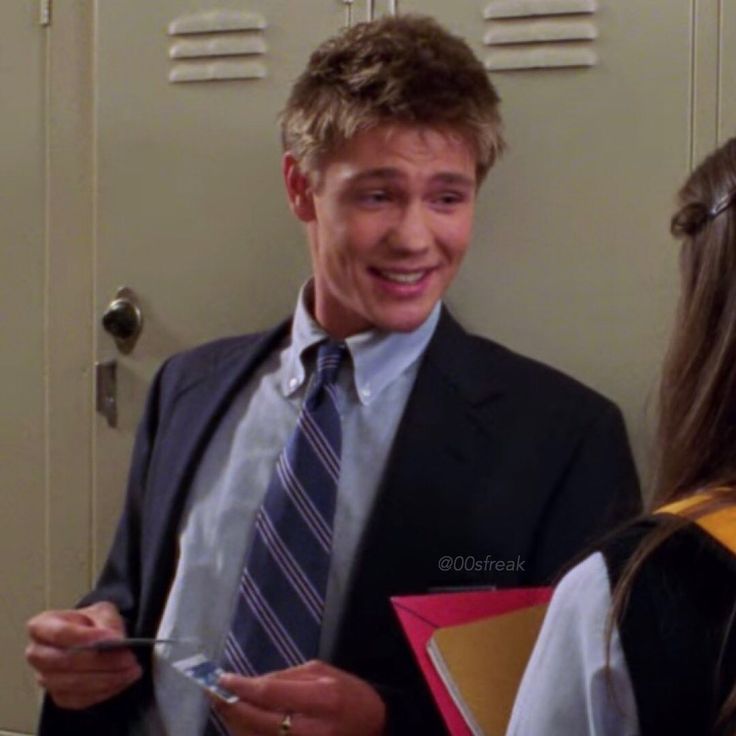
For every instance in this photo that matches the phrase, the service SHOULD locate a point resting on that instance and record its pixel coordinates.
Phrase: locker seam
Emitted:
(94, 142)
(693, 79)
(719, 61)
(47, 320)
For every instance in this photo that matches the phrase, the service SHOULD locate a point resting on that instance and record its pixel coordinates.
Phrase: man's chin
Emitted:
(404, 322)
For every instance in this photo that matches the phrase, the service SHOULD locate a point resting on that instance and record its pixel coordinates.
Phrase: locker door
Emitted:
(23, 552)
(726, 45)
(190, 212)
(572, 262)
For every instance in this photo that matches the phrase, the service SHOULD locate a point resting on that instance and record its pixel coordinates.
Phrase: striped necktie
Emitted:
(278, 613)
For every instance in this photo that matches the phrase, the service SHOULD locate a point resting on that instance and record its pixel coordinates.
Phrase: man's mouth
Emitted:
(403, 277)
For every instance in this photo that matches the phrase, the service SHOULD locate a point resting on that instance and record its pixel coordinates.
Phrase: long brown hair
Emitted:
(696, 443)
(696, 434)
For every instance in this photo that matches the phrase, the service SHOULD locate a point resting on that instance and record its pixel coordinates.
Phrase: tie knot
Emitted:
(329, 358)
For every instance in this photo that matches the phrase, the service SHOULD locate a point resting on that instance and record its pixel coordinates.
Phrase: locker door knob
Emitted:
(123, 319)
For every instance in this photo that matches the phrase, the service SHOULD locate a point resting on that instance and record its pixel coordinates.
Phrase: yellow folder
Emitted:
(482, 664)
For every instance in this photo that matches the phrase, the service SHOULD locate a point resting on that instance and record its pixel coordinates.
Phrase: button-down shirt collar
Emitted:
(379, 357)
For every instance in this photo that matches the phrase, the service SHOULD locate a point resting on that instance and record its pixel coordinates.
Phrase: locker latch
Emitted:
(106, 378)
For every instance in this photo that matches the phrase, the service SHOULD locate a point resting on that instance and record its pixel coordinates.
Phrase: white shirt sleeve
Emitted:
(566, 689)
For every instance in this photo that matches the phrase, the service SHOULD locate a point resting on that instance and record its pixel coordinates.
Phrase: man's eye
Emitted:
(374, 196)
(448, 199)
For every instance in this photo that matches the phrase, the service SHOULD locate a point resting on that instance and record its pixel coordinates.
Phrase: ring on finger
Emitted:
(285, 725)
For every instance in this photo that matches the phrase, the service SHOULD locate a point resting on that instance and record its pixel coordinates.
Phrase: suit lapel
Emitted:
(190, 426)
(440, 438)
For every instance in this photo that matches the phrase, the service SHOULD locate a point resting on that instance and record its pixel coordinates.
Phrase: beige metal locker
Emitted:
(142, 152)
(571, 261)
(22, 336)
(190, 211)
(725, 72)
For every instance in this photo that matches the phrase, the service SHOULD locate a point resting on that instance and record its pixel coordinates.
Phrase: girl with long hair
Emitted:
(640, 637)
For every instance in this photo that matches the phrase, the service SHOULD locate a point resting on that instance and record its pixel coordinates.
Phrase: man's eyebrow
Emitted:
(388, 173)
(378, 173)
(454, 179)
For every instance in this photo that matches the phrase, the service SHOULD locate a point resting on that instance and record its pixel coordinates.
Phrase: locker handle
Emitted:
(123, 319)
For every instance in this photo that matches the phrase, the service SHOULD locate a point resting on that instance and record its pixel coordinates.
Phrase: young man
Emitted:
(427, 442)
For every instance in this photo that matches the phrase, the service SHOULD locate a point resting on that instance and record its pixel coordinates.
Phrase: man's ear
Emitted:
(298, 189)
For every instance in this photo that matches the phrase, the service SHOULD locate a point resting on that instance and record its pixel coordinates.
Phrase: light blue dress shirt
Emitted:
(231, 481)
(566, 690)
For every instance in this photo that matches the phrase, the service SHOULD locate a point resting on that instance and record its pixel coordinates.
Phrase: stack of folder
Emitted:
(472, 648)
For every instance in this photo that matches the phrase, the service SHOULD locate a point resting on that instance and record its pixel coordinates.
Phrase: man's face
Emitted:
(389, 220)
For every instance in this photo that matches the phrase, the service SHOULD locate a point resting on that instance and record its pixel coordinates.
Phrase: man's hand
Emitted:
(80, 679)
(321, 700)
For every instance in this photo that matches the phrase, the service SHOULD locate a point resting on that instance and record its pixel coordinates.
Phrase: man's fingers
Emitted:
(72, 616)
(53, 659)
(320, 699)
(68, 628)
(80, 679)
(83, 694)
(62, 683)
(246, 718)
(284, 693)
(106, 616)
(308, 671)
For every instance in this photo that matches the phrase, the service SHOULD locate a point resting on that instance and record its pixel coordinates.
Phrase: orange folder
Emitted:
(422, 615)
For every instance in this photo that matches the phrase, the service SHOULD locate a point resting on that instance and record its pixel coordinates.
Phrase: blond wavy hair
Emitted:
(407, 70)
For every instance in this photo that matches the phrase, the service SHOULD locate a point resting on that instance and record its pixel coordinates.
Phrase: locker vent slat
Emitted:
(214, 21)
(246, 46)
(500, 34)
(216, 45)
(217, 71)
(540, 34)
(527, 8)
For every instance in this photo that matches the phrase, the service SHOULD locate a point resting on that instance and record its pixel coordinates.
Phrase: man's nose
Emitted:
(412, 231)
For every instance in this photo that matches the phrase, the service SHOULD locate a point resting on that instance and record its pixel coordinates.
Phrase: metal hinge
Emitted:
(44, 12)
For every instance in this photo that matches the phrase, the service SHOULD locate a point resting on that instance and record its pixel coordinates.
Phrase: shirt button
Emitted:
(293, 383)
(365, 393)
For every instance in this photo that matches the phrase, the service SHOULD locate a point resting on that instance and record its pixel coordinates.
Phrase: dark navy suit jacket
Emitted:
(495, 456)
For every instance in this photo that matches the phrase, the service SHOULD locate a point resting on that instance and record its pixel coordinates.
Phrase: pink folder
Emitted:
(420, 615)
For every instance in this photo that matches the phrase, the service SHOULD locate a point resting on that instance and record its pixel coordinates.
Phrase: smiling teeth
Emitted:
(403, 278)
